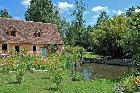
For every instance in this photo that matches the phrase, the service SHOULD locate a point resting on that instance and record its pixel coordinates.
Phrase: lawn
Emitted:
(90, 55)
(39, 82)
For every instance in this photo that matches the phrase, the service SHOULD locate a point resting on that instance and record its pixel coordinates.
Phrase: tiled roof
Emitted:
(25, 31)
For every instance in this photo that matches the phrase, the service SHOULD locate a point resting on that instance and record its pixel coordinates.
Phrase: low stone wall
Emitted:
(119, 62)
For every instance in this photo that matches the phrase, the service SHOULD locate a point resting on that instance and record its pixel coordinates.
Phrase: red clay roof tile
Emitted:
(25, 31)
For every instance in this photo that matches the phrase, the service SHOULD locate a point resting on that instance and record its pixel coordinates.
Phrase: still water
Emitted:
(93, 71)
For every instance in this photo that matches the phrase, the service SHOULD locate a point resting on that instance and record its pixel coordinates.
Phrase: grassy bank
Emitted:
(90, 55)
(39, 82)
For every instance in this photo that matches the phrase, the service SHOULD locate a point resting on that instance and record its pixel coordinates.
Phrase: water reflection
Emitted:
(93, 70)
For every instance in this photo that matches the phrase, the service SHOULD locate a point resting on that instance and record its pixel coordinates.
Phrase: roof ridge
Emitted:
(26, 21)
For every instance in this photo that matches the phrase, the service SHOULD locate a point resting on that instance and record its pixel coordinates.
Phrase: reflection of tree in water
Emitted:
(93, 71)
(86, 73)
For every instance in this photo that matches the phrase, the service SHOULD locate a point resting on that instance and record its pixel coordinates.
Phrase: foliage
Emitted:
(20, 71)
(130, 40)
(76, 49)
(52, 48)
(136, 59)
(78, 52)
(76, 76)
(75, 53)
(55, 69)
(90, 55)
(64, 31)
(57, 77)
(7, 64)
(105, 37)
(102, 17)
(11, 52)
(40, 11)
(21, 67)
(128, 84)
(131, 10)
(130, 43)
(77, 29)
(86, 39)
(4, 14)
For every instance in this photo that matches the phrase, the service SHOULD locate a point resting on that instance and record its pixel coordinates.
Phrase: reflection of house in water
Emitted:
(34, 36)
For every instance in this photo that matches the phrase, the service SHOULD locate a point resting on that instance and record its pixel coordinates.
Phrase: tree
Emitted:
(131, 43)
(77, 25)
(105, 38)
(102, 17)
(40, 11)
(4, 14)
(130, 40)
(132, 10)
(86, 43)
(65, 31)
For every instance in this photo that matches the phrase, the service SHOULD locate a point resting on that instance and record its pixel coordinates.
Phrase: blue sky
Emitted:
(17, 8)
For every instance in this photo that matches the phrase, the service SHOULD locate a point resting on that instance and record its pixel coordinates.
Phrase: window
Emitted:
(37, 34)
(11, 33)
(17, 49)
(4, 47)
(34, 48)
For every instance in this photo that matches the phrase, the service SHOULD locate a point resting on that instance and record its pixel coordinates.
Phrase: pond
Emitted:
(94, 70)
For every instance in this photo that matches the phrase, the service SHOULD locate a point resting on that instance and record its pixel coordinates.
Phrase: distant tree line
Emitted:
(117, 36)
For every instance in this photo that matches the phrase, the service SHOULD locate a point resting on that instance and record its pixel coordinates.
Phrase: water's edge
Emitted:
(118, 62)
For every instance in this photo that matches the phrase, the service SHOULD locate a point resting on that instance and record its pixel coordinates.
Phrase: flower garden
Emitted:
(22, 73)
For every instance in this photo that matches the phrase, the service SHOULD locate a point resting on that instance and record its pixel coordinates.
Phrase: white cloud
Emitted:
(64, 5)
(25, 2)
(137, 10)
(99, 9)
(119, 12)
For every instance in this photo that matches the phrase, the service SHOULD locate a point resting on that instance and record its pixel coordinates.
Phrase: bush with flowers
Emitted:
(128, 84)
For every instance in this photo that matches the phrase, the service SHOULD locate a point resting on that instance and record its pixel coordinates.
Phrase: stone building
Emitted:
(34, 36)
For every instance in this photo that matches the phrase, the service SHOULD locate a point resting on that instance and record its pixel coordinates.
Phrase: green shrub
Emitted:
(77, 49)
(128, 84)
(136, 59)
(57, 78)
(76, 76)
(21, 67)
